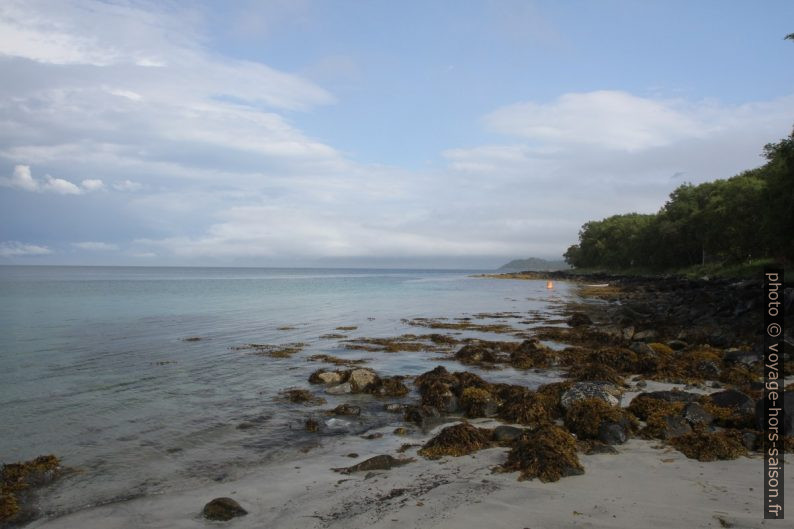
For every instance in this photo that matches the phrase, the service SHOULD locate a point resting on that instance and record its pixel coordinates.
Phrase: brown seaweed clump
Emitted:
(645, 407)
(389, 387)
(273, 351)
(710, 446)
(458, 440)
(523, 406)
(592, 371)
(17, 481)
(586, 417)
(548, 453)
(302, 396)
(478, 402)
(618, 358)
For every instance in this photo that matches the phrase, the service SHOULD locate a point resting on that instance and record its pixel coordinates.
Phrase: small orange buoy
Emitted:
(549, 284)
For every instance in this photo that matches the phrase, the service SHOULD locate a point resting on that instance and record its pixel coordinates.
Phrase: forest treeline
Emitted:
(729, 221)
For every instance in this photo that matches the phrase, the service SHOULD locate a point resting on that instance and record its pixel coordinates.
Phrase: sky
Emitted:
(456, 134)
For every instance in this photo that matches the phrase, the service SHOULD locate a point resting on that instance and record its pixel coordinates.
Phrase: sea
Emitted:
(138, 378)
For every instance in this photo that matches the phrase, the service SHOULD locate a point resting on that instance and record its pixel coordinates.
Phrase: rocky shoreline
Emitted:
(675, 363)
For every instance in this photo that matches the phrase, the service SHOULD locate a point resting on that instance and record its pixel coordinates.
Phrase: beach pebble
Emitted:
(223, 509)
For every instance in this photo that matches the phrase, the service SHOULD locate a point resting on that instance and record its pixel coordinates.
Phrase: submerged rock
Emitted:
(346, 409)
(223, 509)
(578, 319)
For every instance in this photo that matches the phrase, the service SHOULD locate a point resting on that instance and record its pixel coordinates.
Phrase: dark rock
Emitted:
(749, 440)
(642, 348)
(737, 356)
(694, 414)
(381, 462)
(673, 426)
(506, 434)
(672, 396)
(423, 416)
(223, 509)
(736, 400)
(645, 336)
(346, 409)
(612, 433)
(579, 319)
(676, 345)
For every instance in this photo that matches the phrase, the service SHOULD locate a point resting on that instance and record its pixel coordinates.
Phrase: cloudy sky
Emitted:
(349, 133)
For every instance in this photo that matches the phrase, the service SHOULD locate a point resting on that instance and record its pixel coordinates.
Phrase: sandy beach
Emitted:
(644, 485)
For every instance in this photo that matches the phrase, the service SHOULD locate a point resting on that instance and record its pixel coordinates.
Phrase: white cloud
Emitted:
(18, 249)
(604, 119)
(95, 246)
(127, 185)
(22, 179)
(92, 184)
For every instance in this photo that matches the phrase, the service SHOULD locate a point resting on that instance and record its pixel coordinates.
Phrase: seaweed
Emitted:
(389, 387)
(17, 481)
(525, 407)
(347, 362)
(585, 417)
(710, 446)
(645, 407)
(477, 402)
(274, 351)
(302, 396)
(547, 453)
(458, 440)
(595, 372)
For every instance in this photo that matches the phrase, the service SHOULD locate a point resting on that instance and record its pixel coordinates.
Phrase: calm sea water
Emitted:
(94, 366)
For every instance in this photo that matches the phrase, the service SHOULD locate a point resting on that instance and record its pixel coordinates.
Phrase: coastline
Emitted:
(645, 482)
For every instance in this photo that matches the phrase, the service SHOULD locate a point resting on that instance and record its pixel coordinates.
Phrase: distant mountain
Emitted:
(534, 264)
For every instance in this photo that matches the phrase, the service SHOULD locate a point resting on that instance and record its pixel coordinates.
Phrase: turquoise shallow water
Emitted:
(94, 365)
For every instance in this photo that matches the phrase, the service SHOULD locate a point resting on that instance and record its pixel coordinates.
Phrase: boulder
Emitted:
(642, 348)
(346, 409)
(613, 433)
(362, 379)
(695, 414)
(423, 416)
(223, 509)
(340, 389)
(672, 396)
(677, 345)
(506, 434)
(736, 400)
(645, 336)
(585, 390)
(579, 319)
(330, 377)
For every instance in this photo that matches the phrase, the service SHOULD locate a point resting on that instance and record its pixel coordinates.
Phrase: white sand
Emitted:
(642, 486)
